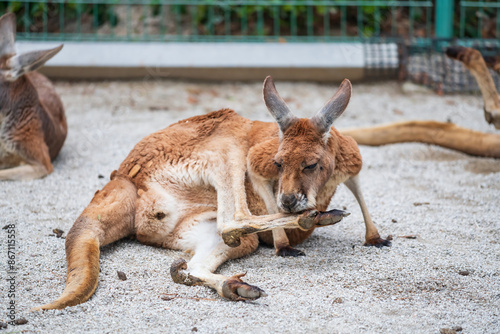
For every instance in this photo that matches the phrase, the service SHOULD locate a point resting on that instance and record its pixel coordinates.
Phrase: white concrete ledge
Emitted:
(204, 55)
(215, 61)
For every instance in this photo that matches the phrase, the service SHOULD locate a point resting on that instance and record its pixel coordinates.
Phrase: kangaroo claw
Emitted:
(315, 218)
(179, 276)
(288, 251)
(377, 242)
(235, 289)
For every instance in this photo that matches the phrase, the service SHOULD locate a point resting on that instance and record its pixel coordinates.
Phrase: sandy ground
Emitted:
(447, 276)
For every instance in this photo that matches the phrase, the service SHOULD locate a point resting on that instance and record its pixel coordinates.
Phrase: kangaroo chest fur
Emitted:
(177, 171)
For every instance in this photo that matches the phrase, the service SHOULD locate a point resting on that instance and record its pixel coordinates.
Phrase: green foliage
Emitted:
(47, 16)
(245, 18)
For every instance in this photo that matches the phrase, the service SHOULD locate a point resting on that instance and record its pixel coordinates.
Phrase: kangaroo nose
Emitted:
(288, 201)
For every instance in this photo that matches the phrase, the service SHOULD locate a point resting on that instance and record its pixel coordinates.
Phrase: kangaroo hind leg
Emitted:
(209, 253)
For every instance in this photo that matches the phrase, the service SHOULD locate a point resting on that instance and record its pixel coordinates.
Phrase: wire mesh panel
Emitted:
(220, 20)
(428, 65)
(477, 25)
(382, 60)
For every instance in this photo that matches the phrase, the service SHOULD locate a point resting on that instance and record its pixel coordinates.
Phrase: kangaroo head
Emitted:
(13, 66)
(305, 158)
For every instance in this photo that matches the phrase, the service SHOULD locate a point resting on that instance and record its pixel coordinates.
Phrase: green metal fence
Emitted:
(479, 19)
(421, 30)
(234, 20)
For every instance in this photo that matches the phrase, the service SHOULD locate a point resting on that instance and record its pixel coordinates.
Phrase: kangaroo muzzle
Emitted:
(292, 202)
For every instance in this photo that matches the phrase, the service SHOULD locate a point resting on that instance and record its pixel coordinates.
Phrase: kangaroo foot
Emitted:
(377, 242)
(288, 251)
(315, 218)
(235, 289)
(177, 271)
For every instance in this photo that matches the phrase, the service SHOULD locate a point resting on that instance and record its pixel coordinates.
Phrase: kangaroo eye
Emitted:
(160, 215)
(277, 165)
(311, 167)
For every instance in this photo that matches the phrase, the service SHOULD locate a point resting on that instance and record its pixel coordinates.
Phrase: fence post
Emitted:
(443, 19)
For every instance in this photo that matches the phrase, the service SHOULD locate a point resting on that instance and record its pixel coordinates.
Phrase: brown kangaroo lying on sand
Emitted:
(32, 121)
(446, 134)
(206, 185)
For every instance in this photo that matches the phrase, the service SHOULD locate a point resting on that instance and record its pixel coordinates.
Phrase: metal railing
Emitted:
(479, 19)
(252, 20)
(221, 20)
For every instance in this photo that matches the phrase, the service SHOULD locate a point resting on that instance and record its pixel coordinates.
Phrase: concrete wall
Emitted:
(205, 61)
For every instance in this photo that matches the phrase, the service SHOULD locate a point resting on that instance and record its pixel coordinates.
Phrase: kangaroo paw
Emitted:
(377, 242)
(235, 289)
(177, 271)
(331, 217)
(308, 219)
(288, 251)
(232, 238)
(315, 218)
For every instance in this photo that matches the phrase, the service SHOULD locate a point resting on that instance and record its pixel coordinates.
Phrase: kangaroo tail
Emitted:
(108, 218)
(430, 132)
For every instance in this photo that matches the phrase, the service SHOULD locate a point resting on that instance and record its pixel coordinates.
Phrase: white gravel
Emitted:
(339, 287)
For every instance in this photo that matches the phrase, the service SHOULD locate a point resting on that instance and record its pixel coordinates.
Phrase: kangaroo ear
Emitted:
(7, 35)
(27, 62)
(324, 119)
(276, 106)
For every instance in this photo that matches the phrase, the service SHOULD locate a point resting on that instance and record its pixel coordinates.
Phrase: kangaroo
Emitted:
(446, 134)
(32, 121)
(474, 62)
(212, 185)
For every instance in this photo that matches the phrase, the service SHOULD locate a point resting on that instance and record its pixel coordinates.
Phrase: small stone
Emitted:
(20, 321)
(167, 298)
(194, 329)
(338, 300)
(447, 331)
(408, 236)
(121, 275)
(100, 176)
(457, 328)
(394, 221)
(58, 232)
(464, 272)
(3, 325)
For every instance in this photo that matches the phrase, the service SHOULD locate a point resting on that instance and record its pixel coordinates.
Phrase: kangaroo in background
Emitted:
(446, 134)
(212, 185)
(32, 121)
(478, 67)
